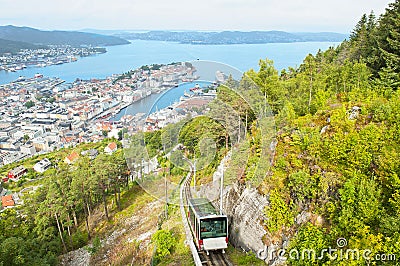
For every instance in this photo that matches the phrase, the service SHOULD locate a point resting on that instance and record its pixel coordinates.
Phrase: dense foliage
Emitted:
(13, 47)
(53, 216)
(334, 172)
(164, 242)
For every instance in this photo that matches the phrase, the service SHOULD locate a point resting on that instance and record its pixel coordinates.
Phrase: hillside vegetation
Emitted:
(335, 165)
(7, 46)
(73, 38)
(56, 214)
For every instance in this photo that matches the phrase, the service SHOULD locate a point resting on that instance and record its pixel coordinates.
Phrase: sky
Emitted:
(212, 15)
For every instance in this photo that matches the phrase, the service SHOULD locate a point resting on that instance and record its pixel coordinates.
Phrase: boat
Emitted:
(20, 78)
(198, 92)
(187, 94)
(196, 87)
(220, 76)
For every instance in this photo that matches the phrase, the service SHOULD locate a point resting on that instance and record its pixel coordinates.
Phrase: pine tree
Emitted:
(359, 39)
(389, 42)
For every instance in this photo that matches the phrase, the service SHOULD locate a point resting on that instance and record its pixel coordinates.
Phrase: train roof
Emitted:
(203, 207)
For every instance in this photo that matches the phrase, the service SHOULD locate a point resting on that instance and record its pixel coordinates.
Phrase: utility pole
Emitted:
(194, 175)
(166, 193)
(221, 190)
(240, 121)
(245, 127)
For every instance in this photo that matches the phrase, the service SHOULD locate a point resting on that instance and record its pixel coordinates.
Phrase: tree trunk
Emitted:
(115, 196)
(86, 220)
(68, 222)
(245, 128)
(62, 227)
(105, 205)
(89, 203)
(119, 198)
(69, 232)
(75, 219)
(59, 231)
(117, 191)
(226, 140)
(88, 208)
(240, 121)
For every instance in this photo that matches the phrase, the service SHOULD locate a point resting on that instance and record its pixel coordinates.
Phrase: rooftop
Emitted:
(203, 207)
(7, 201)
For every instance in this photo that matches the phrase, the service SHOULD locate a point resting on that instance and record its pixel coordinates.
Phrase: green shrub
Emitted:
(165, 243)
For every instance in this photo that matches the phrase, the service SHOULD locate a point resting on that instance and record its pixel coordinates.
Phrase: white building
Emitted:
(41, 144)
(28, 149)
(42, 166)
(112, 147)
(14, 157)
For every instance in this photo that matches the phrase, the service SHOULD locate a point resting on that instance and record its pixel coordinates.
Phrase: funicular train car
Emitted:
(210, 229)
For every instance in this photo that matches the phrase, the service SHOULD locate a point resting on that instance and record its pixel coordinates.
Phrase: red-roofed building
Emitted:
(16, 173)
(112, 147)
(7, 201)
(71, 158)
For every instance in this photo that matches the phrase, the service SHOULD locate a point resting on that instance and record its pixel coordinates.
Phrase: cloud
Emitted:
(289, 15)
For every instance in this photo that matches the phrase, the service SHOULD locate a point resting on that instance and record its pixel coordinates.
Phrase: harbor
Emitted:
(51, 113)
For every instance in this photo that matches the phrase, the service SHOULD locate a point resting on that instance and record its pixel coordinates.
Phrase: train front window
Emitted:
(214, 227)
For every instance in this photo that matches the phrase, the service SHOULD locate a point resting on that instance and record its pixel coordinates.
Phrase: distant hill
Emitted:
(104, 32)
(74, 38)
(7, 46)
(234, 37)
(321, 36)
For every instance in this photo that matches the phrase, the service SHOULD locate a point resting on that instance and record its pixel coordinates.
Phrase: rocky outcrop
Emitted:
(79, 257)
(244, 207)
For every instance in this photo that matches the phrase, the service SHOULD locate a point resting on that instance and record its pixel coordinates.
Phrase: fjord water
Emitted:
(156, 102)
(123, 58)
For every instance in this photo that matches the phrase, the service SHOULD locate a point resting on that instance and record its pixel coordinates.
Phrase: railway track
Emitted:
(215, 258)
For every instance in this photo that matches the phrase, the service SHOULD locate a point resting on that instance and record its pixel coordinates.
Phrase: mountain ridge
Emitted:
(234, 37)
(7, 46)
(57, 37)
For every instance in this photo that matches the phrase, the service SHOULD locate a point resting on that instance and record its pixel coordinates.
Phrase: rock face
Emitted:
(244, 207)
(79, 257)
